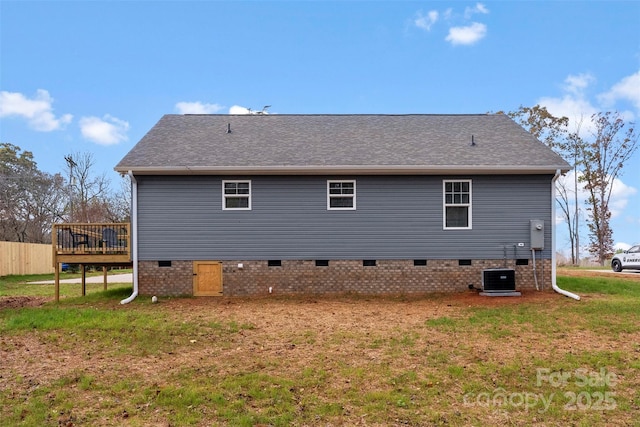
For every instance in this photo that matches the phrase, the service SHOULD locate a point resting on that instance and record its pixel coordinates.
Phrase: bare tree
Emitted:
(87, 191)
(119, 204)
(553, 132)
(563, 199)
(602, 158)
(90, 196)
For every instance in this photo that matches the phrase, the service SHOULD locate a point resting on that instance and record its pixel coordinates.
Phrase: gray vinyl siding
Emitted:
(397, 217)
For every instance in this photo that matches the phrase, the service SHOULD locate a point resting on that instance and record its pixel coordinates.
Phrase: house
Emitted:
(258, 204)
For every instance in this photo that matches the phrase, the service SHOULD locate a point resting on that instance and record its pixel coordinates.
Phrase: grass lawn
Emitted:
(445, 359)
(19, 286)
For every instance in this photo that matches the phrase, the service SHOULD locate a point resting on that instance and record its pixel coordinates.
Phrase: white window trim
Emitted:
(225, 196)
(353, 196)
(445, 205)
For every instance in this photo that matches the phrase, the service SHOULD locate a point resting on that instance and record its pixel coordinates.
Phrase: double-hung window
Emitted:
(457, 204)
(341, 195)
(236, 195)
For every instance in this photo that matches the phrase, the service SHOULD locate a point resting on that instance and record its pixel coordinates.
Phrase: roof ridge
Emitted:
(342, 114)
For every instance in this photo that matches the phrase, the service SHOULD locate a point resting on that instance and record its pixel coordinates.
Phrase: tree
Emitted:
(87, 191)
(602, 159)
(119, 204)
(570, 217)
(553, 132)
(30, 200)
(91, 199)
(598, 162)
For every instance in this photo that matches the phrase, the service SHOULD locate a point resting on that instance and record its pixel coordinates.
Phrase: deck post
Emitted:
(104, 276)
(84, 280)
(57, 277)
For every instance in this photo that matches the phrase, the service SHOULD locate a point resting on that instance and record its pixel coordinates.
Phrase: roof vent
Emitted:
(228, 127)
(259, 113)
(264, 110)
(473, 142)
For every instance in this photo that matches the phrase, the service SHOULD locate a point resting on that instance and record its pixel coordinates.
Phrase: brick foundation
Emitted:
(340, 276)
(167, 281)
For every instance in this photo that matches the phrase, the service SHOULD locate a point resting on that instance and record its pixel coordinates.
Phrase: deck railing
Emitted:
(92, 239)
(106, 244)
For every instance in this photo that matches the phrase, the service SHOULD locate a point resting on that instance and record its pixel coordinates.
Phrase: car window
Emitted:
(634, 249)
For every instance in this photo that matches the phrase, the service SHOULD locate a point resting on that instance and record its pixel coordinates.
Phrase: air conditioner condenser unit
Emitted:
(499, 282)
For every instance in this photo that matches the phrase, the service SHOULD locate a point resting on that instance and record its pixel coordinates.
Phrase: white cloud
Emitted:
(108, 130)
(197, 108)
(37, 111)
(478, 8)
(574, 103)
(626, 89)
(620, 195)
(579, 83)
(467, 35)
(426, 21)
(236, 109)
(577, 109)
(481, 8)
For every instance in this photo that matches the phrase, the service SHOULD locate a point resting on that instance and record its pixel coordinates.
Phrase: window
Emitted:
(236, 195)
(341, 195)
(457, 204)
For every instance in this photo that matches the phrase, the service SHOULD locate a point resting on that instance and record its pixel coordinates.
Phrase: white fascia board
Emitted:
(344, 170)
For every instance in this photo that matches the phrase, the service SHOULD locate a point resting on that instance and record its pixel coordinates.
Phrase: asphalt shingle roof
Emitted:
(279, 143)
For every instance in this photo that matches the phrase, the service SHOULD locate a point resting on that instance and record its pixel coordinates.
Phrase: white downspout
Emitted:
(134, 237)
(553, 242)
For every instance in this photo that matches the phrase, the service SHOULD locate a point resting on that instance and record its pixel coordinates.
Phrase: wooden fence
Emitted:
(25, 258)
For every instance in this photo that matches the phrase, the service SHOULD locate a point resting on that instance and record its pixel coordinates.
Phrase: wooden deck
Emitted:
(103, 244)
(94, 243)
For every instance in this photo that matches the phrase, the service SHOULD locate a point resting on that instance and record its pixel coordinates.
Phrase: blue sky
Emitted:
(95, 76)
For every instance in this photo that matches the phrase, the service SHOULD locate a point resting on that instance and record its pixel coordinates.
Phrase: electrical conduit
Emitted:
(535, 273)
(134, 237)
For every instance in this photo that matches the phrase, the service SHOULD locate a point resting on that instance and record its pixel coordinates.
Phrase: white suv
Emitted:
(627, 259)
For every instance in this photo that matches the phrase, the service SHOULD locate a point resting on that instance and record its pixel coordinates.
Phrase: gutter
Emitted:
(342, 169)
(553, 242)
(134, 237)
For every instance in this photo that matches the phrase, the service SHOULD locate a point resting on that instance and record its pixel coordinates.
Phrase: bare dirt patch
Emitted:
(292, 329)
(277, 327)
(20, 301)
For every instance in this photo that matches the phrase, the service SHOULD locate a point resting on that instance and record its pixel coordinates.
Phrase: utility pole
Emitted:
(71, 163)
